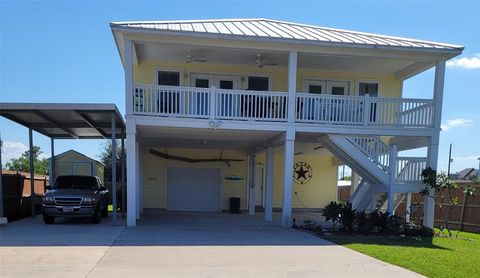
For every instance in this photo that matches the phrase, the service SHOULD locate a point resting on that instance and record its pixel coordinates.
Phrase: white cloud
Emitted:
(467, 158)
(12, 150)
(465, 62)
(456, 122)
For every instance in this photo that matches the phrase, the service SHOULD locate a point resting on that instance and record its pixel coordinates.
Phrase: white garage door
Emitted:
(193, 189)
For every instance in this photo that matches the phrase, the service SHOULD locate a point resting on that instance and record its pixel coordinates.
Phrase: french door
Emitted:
(220, 81)
(316, 109)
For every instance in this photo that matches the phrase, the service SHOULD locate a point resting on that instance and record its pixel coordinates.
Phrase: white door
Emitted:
(194, 189)
(225, 102)
(337, 88)
(310, 108)
(259, 186)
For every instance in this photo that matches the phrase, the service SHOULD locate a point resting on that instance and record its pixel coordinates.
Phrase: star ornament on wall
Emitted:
(302, 172)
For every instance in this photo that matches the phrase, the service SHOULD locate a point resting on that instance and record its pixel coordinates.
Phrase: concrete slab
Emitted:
(179, 245)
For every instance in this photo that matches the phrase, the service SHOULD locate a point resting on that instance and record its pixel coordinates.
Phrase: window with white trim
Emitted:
(169, 78)
(371, 88)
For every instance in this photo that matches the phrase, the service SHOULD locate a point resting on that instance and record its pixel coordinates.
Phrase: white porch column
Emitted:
(114, 170)
(131, 176)
(251, 186)
(128, 68)
(269, 184)
(288, 178)
(432, 157)
(140, 174)
(292, 86)
(137, 180)
(408, 204)
(393, 175)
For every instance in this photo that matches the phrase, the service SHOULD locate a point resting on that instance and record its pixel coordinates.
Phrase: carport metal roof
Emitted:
(67, 120)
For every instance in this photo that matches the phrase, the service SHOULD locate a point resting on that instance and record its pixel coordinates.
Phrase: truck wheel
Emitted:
(48, 219)
(105, 211)
(97, 217)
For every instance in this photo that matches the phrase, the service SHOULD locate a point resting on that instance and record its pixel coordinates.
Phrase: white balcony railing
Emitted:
(409, 169)
(364, 110)
(191, 102)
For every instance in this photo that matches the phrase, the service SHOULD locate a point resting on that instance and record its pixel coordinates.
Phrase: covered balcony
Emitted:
(269, 106)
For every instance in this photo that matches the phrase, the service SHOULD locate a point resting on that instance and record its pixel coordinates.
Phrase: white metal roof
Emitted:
(280, 30)
(66, 120)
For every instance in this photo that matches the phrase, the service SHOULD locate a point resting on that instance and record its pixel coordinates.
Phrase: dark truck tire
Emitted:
(97, 217)
(48, 219)
(105, 211)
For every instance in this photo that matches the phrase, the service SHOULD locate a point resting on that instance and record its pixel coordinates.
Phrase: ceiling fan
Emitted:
(196, 59)
(261, 62)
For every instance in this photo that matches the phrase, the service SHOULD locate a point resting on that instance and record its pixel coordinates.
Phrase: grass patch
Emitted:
(432, 257)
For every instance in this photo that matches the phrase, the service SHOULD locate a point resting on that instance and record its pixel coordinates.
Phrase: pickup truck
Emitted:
(75, 196)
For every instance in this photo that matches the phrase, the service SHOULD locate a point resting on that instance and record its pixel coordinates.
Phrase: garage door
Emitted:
(193, 189)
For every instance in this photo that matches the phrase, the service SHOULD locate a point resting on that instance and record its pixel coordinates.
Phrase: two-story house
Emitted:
(266, 111)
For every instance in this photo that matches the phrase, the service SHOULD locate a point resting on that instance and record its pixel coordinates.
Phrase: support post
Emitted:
(52, 162)
(122, 161)
(114, 171)
(128, 68)
(269, 184)
(137, 179)
(131, 177)
(408, 210)
(292, 86)
(366, 110)
(432, 159)
(211, 105)
(1, 181)
(251, 186)
(32, 172)
(140, 177)
(288, 178)
(393, 180)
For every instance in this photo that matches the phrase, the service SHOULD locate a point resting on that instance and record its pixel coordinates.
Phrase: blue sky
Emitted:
(64, 52)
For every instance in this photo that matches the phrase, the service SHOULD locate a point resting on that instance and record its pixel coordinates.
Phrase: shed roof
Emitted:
(261, 28)
(66, 120)
(61, 155)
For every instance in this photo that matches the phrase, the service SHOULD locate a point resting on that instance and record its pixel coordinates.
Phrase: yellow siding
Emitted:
(146, 73)
(320, 190)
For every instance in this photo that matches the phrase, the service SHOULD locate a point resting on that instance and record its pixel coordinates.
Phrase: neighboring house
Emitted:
(237, 107)
(74, 163)
(465, 174)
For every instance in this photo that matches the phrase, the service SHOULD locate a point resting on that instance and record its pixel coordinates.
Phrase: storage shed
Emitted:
(74, 163)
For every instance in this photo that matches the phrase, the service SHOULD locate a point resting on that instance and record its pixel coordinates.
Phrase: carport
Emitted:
(70, 121)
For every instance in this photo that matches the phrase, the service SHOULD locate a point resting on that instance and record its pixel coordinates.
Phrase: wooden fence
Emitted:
(469, 218)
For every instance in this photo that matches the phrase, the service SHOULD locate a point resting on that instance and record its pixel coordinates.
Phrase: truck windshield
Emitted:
(76, 182)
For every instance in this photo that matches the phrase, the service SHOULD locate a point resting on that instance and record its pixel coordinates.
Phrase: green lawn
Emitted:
(432, 257)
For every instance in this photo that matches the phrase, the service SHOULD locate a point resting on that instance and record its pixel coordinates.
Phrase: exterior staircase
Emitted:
(383, 172)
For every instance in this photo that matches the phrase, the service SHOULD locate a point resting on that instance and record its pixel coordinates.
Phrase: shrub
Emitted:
(347, 216)
(379, 220)
(362, 223)
(332, 212)
(410, 229)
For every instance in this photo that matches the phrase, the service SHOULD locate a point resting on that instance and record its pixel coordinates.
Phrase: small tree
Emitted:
(332, 212)
(440, 186)
(106, 158)
(22, 164)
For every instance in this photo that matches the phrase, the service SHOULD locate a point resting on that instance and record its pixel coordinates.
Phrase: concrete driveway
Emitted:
(178, 245)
